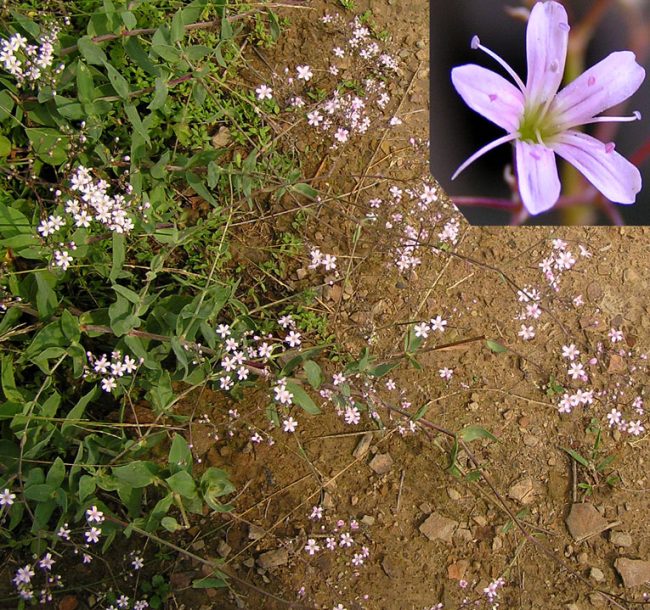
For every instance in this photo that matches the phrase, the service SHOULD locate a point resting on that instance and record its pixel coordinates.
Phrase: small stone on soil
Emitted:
(522, 491)
(255, 532)
(273, 559)
(597, 574)
(634, 572)
(620, 539)
(437, 527)
(363, 445)
(584, 521)
(223, 548)
(457, 570)
(381, 463)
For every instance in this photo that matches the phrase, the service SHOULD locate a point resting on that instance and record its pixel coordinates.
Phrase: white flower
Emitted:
(94, 514)
(421, 330)
(570, 352)
(304, 72)
(264, 92)
(289, 424)
(92, 535)
(7, 498)
(526, 332)
(312, 547)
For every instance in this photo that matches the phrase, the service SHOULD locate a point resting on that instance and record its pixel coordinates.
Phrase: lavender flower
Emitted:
(542, 121)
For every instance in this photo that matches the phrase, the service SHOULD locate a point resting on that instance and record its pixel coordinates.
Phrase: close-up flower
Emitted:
(543, 122)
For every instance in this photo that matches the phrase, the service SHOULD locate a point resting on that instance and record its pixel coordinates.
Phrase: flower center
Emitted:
(537, 125)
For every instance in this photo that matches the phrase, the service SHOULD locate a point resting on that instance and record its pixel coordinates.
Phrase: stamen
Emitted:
(636, 116)
(487, 148)
(476, 44)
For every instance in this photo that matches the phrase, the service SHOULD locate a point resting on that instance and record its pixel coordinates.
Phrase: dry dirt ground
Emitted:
(429, 532)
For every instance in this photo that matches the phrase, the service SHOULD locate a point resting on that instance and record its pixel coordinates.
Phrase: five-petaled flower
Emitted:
(542, 122)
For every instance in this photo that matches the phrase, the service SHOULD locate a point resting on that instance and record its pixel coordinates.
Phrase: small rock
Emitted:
(368, 520)
(354, 500)
(457, 570)
(223, 548)
(572, 607)
(363, 445)
(616, 364)
(462, 534)
(249, 563)
(597, 574)
(585, 521)
(437, 527)
(454, 494)
(620, 539)
(634, 572)
(425, 507)
(381, 463)
(198, 545)
(583, 558)
(328, 501)
(273, 559)
(391, 567)
(255, 532)
(522, 491)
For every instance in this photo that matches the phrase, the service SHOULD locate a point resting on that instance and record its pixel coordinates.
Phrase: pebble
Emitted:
(437, 527)
(273, 559)
(522, 491)
(584, 521)
(597, 574)
(620, 539)
(382, 463)
(634, 572)
(223, 548)
(255, 532)
(454, 494)
(363, 445)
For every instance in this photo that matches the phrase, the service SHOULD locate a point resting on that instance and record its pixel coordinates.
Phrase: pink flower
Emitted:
(541, 121)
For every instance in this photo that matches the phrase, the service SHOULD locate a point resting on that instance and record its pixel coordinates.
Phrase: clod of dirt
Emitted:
(362, 446)
(634, 572)
(437, 527)
(620, 539)
(585, 521)
(522, 491)
(273, 559)
(381, 463)
(457, 570)
(69, 602)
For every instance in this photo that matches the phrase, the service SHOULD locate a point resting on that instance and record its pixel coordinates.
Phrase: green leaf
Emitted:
(200, 189)
(182, 483)
(40, 492)
(496, 347)
(302, 399)
(6, 104)
(76, 413)
(86, 488)
(472, 433)
(160, 94)
(137, 474)
(136, 121)
(85, 84)
(180, 456)
(129, 20)
(5, 146)
(305, 189)
(9, 388)
(314, 374)
(170, 524)
(49, 145)
(91, 51)
(381, 369)
(209, 582)
(70, 326)
(119, 83)
(577, 457)
(56, 473)
(46, 300)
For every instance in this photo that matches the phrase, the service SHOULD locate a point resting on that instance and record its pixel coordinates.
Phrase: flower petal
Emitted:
(539, 183)
(547, 37)
(604, 85)
(489, 94)
(612, 174)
